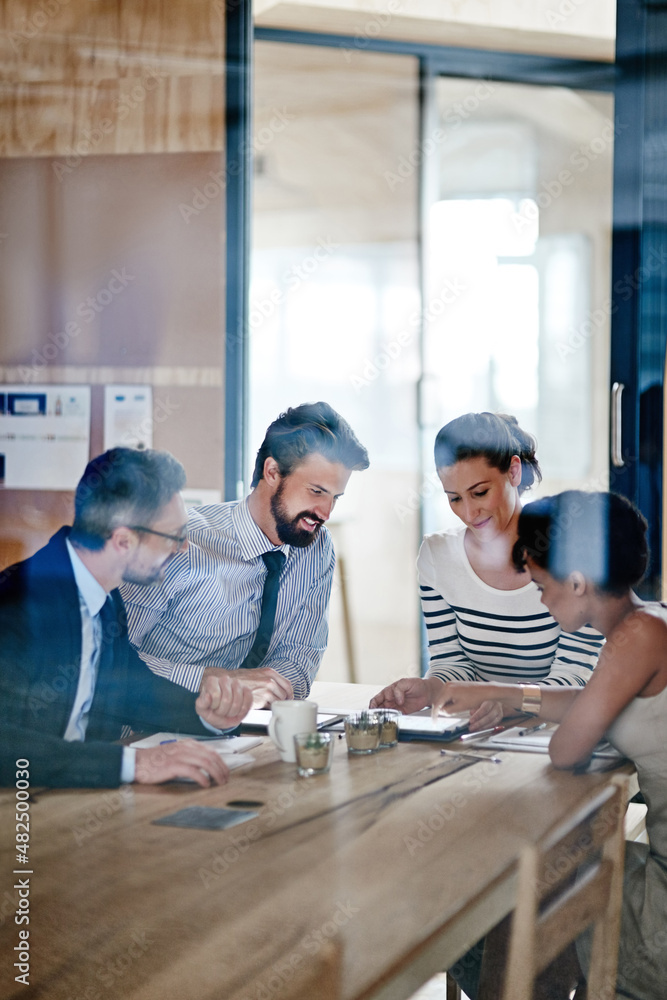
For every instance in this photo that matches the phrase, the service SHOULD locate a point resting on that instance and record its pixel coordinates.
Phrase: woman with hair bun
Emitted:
(586, 552)
(484, 621)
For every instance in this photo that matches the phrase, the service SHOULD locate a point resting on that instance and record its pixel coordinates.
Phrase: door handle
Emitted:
(617, 425)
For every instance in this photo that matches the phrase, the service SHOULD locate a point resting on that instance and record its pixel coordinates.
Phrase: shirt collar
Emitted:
(92, 592)
(252, 540)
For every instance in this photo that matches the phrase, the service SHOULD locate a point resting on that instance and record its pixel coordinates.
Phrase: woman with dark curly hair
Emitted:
(586, 552)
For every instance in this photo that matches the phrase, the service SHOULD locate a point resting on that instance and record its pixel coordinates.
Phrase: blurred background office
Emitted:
(406, 208)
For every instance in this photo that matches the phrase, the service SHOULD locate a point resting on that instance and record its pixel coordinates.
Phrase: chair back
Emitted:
(569, 881)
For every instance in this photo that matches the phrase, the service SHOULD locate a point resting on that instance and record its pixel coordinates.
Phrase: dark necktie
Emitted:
(260, 646)
(106, 628)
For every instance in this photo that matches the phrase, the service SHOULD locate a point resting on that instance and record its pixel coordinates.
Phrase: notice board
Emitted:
(44, 436)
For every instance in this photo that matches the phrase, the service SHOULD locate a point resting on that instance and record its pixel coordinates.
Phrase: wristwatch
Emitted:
(531, 702)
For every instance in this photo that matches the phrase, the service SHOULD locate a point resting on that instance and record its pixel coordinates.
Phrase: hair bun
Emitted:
(495, 436)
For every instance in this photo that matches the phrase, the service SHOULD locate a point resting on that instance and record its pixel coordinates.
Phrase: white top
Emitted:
(479, 633)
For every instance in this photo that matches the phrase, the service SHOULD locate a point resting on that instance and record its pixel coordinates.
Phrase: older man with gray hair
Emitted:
(69, 679)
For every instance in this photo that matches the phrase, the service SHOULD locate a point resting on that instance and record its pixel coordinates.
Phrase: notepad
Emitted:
(519, 738)
(537, 741)
(231, 745)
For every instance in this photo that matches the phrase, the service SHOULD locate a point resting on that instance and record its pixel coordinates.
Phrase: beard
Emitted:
(147, 578)
(287, 528)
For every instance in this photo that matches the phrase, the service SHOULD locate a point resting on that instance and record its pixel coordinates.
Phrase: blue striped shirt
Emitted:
(206, 611)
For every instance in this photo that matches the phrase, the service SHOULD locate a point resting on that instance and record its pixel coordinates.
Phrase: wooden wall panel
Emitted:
(115, 76)
(87, 91)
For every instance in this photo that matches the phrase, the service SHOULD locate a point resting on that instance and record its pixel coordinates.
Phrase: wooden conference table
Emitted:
(393, 861)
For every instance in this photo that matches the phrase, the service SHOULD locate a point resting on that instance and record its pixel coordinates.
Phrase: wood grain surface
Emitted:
(397, 860)
(82, 78)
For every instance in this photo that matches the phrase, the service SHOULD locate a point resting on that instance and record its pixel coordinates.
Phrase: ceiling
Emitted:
(562, 28)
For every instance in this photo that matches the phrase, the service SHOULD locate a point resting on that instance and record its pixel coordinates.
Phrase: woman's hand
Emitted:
(486, 716)
(410, 694)
(457, 697)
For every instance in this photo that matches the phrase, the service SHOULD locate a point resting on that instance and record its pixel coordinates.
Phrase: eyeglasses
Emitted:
(178, 540)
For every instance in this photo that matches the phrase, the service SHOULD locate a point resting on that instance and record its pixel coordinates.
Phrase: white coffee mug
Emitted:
(287, 719)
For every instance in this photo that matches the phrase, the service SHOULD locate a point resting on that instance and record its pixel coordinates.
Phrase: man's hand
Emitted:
(410, 694)
(182, 759)
(265, 683)
(223, 701)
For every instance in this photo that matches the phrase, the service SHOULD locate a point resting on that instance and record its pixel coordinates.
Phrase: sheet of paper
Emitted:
(128, 416)
(260, 718)
(233, 745)
(234, 760)
(342, 697)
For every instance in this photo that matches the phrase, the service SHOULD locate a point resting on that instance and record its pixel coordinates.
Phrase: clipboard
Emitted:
(420, 726)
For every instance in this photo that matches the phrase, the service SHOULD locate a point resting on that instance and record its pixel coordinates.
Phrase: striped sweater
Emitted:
(478, 633)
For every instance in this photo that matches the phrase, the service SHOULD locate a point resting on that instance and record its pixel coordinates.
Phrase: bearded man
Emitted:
(250, 594)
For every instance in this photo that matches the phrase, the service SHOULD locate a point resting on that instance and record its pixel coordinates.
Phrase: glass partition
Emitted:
(334, 315)
(517, 270)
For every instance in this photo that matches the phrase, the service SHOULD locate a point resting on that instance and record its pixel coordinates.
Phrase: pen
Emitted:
(481, 732)
(532, 729)
(471, 756)
(162, 742)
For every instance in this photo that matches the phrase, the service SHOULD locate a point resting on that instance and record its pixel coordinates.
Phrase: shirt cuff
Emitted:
(127, 765)
(218, 732)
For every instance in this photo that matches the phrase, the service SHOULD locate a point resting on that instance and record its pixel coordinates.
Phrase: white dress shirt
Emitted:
(92, 597)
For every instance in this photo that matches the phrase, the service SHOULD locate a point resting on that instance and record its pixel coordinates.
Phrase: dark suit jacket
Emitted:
(40, 657)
